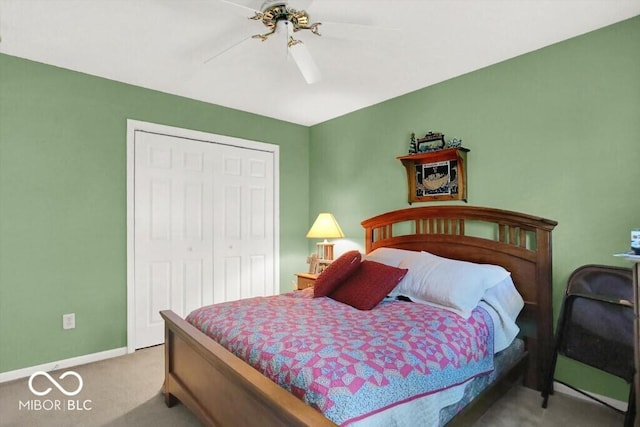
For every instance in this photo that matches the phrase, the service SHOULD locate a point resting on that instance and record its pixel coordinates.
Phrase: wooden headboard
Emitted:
(519, 242)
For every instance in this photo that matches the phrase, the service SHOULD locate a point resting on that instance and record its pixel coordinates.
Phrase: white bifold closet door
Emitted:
(204, 227)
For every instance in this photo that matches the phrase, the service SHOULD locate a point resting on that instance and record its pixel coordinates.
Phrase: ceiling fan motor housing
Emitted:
(277, 11)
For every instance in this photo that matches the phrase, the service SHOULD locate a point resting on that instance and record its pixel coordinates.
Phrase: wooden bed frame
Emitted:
(221, 389)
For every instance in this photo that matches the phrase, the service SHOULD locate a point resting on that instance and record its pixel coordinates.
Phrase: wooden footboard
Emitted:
(220, 389)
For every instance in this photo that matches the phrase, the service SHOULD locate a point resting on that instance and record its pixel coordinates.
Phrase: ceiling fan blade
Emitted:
(251, 6)
(226, 49)
(359, 32)
(301, 56)
(300, 4)
(260, 5)
(307, 66)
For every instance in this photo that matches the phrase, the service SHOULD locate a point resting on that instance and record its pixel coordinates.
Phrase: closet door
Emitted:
(243, 214)
(204, 227)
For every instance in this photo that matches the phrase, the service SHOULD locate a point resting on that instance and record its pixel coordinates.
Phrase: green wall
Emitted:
(554, 133)
(63, 202)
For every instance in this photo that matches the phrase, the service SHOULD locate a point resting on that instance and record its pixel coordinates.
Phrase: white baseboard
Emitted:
(561, 388)
(62, 364)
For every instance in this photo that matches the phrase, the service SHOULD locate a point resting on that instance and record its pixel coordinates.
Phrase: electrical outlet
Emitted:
(69, 321)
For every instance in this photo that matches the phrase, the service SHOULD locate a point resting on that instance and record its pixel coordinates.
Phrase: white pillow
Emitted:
(393, 257)
(389, 256)
(456, 285)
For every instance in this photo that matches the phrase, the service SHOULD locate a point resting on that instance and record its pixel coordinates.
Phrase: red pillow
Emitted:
(336, 273)
(365, 288)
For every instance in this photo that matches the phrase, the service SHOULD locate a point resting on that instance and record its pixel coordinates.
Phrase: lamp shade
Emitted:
(325, 227)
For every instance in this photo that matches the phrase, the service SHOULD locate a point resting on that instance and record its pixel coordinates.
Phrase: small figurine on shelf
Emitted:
(432, 141)
(413, 146)
(454, 143)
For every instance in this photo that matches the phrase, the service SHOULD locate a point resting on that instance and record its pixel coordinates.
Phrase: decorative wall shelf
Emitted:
(436, 175)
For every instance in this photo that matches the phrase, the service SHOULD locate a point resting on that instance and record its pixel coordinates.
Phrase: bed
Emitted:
(221, 389)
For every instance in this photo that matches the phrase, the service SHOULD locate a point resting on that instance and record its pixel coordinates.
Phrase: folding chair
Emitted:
(596, 328)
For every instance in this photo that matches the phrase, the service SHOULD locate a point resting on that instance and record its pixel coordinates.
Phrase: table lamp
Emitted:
(325, 227)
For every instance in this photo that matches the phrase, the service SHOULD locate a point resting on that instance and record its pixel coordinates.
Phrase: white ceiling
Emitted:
(370, 50)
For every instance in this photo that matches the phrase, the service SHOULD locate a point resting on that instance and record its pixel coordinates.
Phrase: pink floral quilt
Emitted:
(348, 363)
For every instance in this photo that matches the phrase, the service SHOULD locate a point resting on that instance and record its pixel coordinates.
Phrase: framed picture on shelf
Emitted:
(436, 175)
(317, 265)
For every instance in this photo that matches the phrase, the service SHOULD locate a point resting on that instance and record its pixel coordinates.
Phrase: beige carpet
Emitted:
(125, 391)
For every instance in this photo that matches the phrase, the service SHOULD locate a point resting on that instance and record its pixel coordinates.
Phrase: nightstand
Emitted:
(305, 280)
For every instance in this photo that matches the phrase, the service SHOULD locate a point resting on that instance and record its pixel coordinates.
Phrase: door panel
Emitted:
(173, 233)
(160, 281)
(246, 218)
(258, 274)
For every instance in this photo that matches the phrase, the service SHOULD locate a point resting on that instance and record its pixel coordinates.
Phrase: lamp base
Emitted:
(325, 251)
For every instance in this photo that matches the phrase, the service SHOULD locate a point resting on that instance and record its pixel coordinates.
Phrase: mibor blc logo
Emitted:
(55, 404)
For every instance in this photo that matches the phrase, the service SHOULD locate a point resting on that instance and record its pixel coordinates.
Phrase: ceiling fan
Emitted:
(278, 17)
